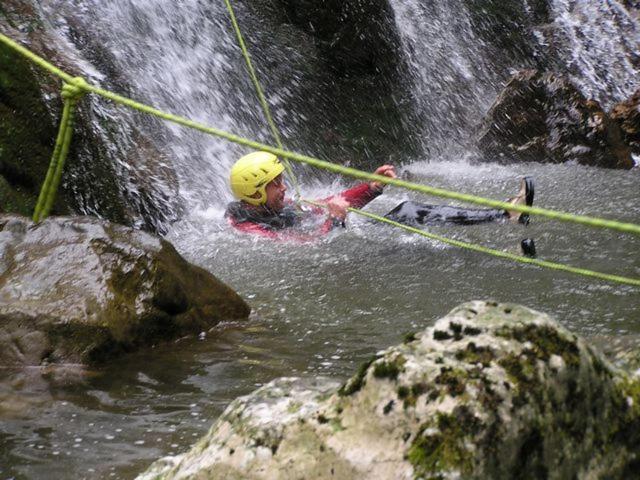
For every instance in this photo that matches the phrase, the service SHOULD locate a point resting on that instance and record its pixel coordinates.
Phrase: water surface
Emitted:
(320, 310)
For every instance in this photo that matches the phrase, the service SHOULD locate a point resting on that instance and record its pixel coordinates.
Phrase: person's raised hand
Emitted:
(387, 171)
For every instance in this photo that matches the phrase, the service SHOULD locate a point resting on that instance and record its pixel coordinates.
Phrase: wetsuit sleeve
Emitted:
(358, 196)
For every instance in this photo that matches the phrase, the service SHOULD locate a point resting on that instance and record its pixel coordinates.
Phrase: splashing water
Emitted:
(320, 309)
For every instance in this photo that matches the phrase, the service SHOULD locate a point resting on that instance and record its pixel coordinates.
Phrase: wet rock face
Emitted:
(113, 170)
(509, 27)
(490, 391)
(627, 115)
(542, 117)
(27, 134)
(353, 37)
(79, 290)
(338, 67)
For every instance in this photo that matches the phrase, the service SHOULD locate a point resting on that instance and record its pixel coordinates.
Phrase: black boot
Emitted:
(528, 247)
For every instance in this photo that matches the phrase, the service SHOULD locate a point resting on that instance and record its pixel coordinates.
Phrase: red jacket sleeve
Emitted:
(358, 196)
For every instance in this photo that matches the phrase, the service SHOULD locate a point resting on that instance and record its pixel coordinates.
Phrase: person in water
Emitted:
(262, 208)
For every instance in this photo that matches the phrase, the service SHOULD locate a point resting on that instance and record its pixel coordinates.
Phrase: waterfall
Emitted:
(180, 57)
(456, 73)
(452, 78)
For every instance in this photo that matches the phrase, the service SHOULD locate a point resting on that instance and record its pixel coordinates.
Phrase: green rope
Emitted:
(260, 93)
(44, 191)
(496, 253)
(510, 256)
(469, 246)
(552, 214)
(71, 93)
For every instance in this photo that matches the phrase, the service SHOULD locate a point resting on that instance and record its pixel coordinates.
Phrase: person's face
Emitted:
(275, 193)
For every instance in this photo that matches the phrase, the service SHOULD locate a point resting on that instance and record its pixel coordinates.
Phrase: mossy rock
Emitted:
(490, 391)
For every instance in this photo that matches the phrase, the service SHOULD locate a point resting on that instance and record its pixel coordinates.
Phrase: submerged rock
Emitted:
(542, 117)
(490, 391)
(78, 290)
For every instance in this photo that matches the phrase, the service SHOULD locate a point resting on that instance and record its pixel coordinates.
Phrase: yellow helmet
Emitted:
(251, 174)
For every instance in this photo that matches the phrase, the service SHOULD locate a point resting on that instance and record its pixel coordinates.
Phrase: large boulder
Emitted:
(78, 290)
(542, 117)
(490, 391)
(627, 115)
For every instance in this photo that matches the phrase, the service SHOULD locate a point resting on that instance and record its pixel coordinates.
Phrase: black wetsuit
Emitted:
(414, 213)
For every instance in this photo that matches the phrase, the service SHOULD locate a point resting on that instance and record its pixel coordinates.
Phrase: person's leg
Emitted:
(414, 213)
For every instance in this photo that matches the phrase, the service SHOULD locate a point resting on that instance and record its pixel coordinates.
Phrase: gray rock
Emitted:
(78, 290)
(490, 391)
(542, 117)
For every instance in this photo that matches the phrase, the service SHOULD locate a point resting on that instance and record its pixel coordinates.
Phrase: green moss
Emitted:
(355, 383)
(409, 337)
(472, 331)
(294, 407)
(411, 394)
(441, 335)
(521, 371)
(418, 389)
(386, 370)
(442, 451)
(474, 354)
(456, 328)
(518, 368)
(628, 430)
(403, 392)
(336, 424)
(547, 341)
(454, 379)
(389, 369)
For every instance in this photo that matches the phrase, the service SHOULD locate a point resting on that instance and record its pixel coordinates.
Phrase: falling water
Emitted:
(179, 57)
(452, 79)
(455, 74)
